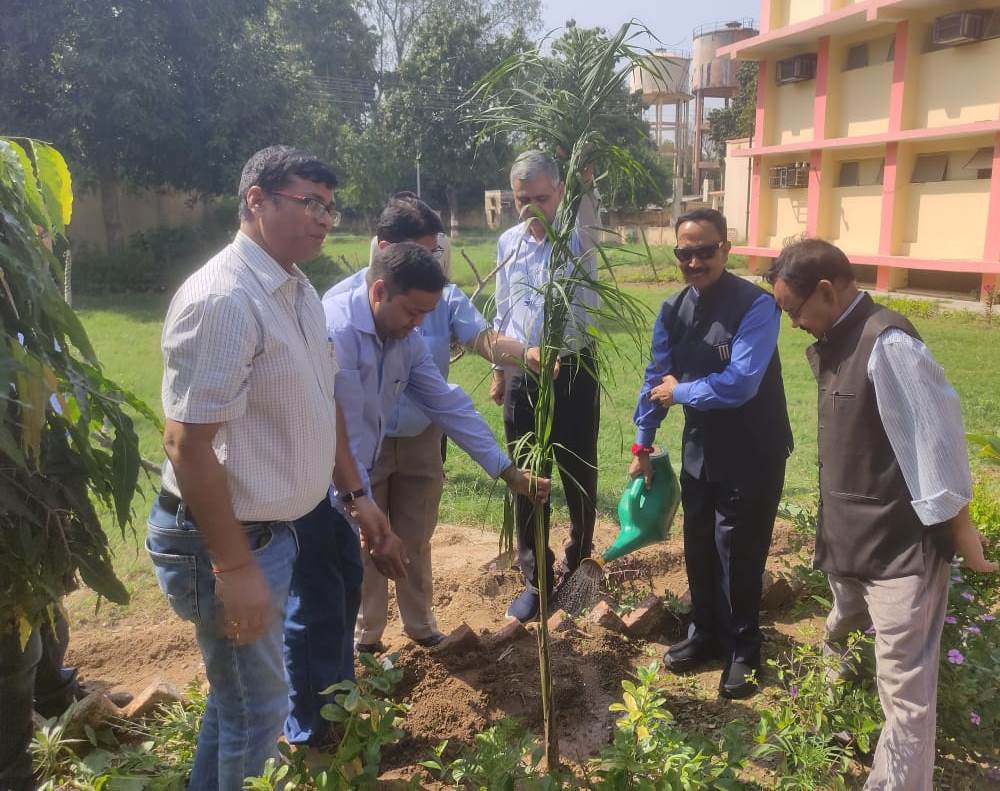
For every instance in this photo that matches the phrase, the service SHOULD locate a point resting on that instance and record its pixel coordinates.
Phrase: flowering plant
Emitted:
(969, 684)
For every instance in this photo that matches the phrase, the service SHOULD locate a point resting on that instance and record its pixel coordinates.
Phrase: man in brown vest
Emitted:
(894, 491)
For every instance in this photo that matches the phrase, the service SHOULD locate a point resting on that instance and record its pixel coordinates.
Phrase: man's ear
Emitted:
(255, 198)
(382, 244)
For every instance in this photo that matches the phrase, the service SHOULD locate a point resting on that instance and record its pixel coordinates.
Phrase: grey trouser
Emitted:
(908, 616)
(406, 484)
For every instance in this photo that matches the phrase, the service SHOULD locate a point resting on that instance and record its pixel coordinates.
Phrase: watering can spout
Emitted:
(645, 516)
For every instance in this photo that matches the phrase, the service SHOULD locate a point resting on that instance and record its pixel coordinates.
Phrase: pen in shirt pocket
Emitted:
(398, 386)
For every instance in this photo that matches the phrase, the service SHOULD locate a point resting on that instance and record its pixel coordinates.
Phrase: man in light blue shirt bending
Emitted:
(408, 475)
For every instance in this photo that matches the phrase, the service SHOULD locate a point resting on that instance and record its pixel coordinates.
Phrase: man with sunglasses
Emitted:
(254, 438)
(894, 490)
(715, 354)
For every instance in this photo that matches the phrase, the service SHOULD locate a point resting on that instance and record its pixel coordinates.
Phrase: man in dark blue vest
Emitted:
(715, 353)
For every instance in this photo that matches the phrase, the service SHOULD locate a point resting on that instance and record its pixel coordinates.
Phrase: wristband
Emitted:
(638, 449)
(217, 571)
(350, 497)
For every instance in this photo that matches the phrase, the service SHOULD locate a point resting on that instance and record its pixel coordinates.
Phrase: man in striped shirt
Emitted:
(894, 492)
(253, 438)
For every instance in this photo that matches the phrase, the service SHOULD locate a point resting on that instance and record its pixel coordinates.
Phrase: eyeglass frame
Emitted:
(796, 314)
(329, 209)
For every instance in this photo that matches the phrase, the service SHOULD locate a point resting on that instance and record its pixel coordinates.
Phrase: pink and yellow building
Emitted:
(878, 128)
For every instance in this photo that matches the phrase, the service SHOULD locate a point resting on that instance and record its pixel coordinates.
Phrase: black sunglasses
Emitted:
(703, 252)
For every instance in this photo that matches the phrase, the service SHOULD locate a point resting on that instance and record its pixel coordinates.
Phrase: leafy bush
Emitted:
(155, 260)
(366, 719)
(156, 754)
(807, 728)
(911, 308)
(968, 687)
(648, 751)
(502, 758)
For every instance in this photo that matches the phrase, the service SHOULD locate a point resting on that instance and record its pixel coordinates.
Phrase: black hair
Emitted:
(711, 216)
(407, 219)
(406, 195)
(271, 167)
(406, 266)
(804, 263)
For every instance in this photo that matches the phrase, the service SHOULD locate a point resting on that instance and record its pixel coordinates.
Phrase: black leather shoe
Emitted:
(739, 680)
(370, 648)
(690, 654)
(429, 642)
(525, 606)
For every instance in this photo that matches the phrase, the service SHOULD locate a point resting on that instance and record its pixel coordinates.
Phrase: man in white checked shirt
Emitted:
(894, 492)
(253, 439)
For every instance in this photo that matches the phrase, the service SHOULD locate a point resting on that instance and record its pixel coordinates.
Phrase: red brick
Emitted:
(510, 633)
(559, 621)
(649, 619)
(604, 616)
(157, 694)
(460, 641)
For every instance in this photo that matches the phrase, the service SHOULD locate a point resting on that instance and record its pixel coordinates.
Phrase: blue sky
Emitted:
(670, 20)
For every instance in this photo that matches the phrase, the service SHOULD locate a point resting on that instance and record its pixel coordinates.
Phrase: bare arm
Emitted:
(239, 584)
(503, 350)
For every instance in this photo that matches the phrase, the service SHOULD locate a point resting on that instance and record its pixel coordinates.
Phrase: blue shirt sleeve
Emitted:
(751, 351)
(449, 408)
(349, 391)
(648, 414)
(464, 320)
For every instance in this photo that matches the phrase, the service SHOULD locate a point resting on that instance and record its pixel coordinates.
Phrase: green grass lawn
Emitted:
(126, 333)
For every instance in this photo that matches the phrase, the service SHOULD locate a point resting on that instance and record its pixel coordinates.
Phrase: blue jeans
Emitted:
(319, 622)
(248, 697)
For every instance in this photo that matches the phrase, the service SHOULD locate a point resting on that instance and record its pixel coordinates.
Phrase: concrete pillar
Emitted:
(891, 278)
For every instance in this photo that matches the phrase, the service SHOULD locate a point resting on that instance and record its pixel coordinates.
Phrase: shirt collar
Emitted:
(268, 271)
(852, 306)
(361, 310)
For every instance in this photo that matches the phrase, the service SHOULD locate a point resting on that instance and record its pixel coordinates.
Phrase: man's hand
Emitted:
(663, 393)
(497, 386)
(641, 466)
(533, 361)
(522, 482)
(383, 545)
(969, 546)
(246, 604)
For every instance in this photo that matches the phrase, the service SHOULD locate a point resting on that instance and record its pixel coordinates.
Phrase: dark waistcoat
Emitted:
(867, 527)
(743, 443)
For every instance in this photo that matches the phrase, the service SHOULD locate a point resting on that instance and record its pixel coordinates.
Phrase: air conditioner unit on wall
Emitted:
(791, 176)
(962, 27)
(797, 69)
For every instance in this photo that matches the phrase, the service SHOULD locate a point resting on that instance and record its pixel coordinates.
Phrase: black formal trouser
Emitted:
(574, 434)
(727, 535)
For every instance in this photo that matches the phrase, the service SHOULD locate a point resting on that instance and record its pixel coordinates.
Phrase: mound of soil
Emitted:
(450, 696)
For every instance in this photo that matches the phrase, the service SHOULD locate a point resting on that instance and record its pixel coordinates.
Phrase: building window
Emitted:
(857, 57)
(929, 167)
(982, 163)
(848, 174)
(891, 54)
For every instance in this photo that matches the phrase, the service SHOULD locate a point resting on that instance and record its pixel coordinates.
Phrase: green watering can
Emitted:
(644, 517)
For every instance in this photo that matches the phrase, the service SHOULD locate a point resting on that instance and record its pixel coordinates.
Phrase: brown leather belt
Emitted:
(171, 503)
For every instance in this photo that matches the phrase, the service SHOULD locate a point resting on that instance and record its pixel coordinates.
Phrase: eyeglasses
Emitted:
(794, 314)
(315, 208)
(703, 252)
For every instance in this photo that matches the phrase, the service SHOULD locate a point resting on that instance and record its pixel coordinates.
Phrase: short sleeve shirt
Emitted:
(245, 345)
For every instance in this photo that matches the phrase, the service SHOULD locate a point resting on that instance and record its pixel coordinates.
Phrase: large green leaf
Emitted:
(56, 184)
(33, 196)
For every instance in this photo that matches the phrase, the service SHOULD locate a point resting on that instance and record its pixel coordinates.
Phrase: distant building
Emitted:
(878, 128)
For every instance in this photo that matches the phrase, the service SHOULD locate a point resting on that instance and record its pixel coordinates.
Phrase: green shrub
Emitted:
(805, 728)
(969, 685)
(911, 308)
(649, 751)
